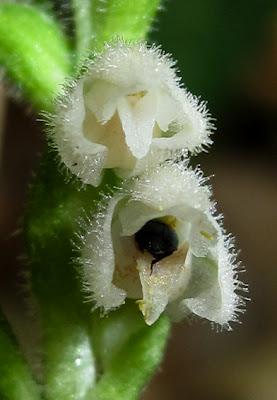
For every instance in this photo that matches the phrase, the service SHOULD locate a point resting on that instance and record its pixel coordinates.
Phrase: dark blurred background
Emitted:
(227, 54)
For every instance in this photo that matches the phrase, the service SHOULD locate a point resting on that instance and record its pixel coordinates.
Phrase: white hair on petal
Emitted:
(170, 181)
(232, 289)
(97, 260)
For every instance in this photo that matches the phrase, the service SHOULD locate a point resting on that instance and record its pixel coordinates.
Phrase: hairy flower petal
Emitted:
(98, 262)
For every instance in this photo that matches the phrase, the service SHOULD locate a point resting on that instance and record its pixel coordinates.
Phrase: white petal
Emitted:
(171, 185)
(231, 302)
(101, 99)
(134, 66)
(203, 235)
(82, 157)
(166, 110)
(212, 288)
(155, 157)
(138, 123)
(203, 297)
(126, 254)
(75, 110)
(98, 261)
(166, 283)
(112, 137)
(175, 142)
(189, 123)
(134, 215)
(194, 122)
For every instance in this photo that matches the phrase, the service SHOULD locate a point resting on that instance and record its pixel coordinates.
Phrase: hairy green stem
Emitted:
(82, 352)
(127, 352)
(51, 224)
(126, 19)
(132, 368)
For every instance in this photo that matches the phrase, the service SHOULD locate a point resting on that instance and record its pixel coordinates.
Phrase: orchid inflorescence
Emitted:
(115, 213)
(156, 239)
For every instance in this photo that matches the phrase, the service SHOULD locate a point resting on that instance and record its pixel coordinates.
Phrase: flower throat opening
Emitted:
(158, 238)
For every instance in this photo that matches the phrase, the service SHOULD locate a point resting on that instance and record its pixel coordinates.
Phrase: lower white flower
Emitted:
(127, 104)
(158, 242)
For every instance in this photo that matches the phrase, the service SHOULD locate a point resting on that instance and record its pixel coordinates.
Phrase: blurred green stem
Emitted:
(83, 27)
(51, 222)
(33, 52)
(126, 19)
(128, 352)
(16, 381)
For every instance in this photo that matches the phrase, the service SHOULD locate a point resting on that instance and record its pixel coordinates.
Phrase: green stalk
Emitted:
(16, 381)
(131, 370)
(127, 19)
(82, 352)
(71, 355)
(33, 52)
(51, 223)
(83, 27)
(128, 352)
(98, 21)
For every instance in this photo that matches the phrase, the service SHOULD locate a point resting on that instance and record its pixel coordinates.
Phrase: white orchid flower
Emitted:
(158, 242)
(128, 105)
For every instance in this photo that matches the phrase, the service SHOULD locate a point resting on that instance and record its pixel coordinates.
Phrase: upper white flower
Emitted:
(159, 242)
(128, 105)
